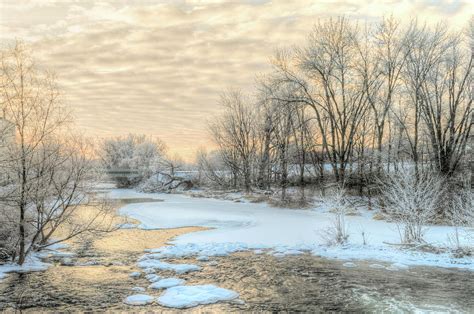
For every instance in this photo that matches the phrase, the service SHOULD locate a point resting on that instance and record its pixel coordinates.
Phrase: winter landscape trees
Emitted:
(356, 101)
(48, 169)
(382, 108)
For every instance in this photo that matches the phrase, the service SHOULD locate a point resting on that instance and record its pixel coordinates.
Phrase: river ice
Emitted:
(244, 226)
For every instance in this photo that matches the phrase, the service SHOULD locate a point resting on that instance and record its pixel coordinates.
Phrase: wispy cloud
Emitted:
(158, 67)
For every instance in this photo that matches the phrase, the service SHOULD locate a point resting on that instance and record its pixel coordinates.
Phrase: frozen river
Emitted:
(250, 225)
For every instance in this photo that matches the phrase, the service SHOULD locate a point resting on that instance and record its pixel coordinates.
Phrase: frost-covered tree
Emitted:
(49, 172)
(133, 152)
(411, 200)
(235, 133)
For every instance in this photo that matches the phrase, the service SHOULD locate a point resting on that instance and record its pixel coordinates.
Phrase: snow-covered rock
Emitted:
(189, 296)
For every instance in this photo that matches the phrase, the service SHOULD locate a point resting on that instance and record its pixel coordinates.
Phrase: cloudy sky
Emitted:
(158, 67)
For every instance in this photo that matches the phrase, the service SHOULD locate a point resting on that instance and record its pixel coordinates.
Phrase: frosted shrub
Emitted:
(336, 203)
(462, 214)
(411, 201)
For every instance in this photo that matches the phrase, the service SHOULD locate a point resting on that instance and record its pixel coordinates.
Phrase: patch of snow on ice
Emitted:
(400, 266)
(202, 258)
(193, 249)
(32, 264)
(139, 299)
(292, 252)
(349, 264)
(178, 268)
(167, 283)
(152, 277)
(190, 296)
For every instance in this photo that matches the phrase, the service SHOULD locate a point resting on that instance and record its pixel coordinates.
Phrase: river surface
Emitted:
(99, 280)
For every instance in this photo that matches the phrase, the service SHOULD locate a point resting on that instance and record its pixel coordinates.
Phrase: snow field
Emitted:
(251, 226)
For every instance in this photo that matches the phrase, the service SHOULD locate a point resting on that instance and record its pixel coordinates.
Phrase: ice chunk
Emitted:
(135, 274)
(139, 299)
(189, 296)
(138, 289)
(167, 283)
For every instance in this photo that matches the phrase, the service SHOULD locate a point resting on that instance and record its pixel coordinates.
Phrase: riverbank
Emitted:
(98, 273)
(265, 283)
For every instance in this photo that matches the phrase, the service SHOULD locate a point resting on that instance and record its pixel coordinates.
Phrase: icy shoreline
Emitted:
(250, 226)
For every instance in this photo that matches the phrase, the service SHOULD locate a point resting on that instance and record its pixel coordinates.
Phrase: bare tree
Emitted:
(235, 134)
(324, 76)
(383, 56)
(446, 104)
(49, 171)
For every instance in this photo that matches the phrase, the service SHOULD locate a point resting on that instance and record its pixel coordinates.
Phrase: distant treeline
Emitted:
(360, 99)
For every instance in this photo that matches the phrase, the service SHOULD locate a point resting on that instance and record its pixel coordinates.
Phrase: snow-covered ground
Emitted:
(33, 263)
(242, 226)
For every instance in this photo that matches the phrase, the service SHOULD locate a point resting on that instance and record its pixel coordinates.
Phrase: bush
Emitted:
(411, 201)
(336, 203)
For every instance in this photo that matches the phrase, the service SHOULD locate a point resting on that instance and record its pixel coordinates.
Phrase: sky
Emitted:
(158, 67)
